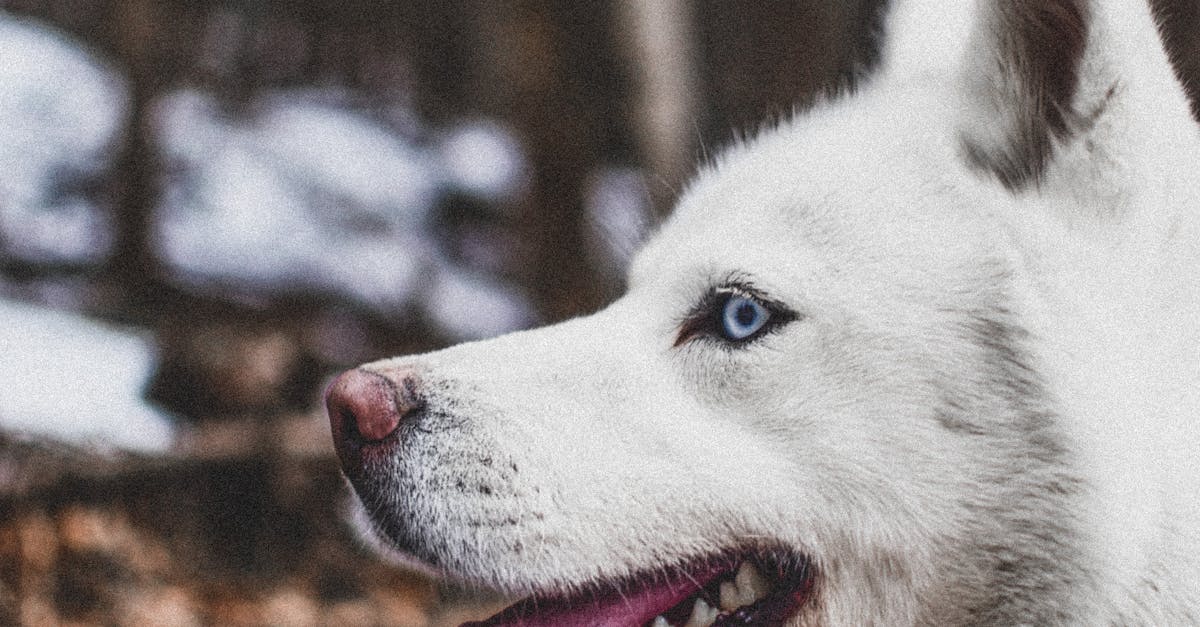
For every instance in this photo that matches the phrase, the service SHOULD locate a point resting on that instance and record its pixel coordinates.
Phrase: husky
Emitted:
(927, 353)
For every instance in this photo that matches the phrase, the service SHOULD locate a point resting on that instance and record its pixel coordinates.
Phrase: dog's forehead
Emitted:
(832, 189)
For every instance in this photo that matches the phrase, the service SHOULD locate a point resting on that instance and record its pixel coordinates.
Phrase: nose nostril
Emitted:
(363, 405)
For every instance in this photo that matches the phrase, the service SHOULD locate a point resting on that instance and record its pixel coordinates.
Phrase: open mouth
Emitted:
(758, 588)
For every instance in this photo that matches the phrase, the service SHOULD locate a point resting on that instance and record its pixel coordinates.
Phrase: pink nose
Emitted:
(365, 407)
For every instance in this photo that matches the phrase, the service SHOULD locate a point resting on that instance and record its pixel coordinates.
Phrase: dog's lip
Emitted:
(638, 600)
(609, 606)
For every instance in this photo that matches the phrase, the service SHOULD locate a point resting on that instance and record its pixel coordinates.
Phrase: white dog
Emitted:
(928, 354)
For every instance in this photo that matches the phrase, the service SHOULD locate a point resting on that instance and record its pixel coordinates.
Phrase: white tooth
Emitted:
(730, 599)
(660, 622)
(702, 615)
(751, 585)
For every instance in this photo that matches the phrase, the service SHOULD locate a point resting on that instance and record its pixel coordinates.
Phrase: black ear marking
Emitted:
(1027, 79)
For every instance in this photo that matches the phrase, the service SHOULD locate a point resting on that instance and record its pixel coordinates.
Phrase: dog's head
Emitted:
(819, 401)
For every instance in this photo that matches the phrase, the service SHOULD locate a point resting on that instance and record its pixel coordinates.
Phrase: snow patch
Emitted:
(469, 305)
(305, 194)
(302, 196)
(484, 159)
(72, 379)
(62, 112)
(617, 215)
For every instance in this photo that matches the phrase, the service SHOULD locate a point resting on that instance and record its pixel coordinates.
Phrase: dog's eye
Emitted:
(742, 317)
(734, 315)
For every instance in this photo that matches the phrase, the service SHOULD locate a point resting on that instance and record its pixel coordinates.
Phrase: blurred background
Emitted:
(210, 207)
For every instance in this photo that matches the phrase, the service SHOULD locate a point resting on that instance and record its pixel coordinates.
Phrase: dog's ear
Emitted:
(1014, 65)
(1039, 85)
(1020, 76)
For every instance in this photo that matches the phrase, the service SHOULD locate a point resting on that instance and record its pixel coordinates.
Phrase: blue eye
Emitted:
(742, 317)
(735, 315)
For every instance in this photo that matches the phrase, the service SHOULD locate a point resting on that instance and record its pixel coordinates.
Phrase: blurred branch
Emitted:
(659, 40)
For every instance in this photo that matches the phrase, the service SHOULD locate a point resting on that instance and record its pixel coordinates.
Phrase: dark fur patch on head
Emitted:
(1038, 47)
(1021, 553)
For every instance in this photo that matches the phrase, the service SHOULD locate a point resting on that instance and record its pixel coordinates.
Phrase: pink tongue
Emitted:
(607, 609)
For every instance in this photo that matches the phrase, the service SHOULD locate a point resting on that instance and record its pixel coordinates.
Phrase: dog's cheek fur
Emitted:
(919, 436)
(1022, 547)
(875, 449)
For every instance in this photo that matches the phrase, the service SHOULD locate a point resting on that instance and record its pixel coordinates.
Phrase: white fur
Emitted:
(864, 216)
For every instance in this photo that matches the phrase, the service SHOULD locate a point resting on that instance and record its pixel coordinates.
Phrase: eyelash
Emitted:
(706, 319)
